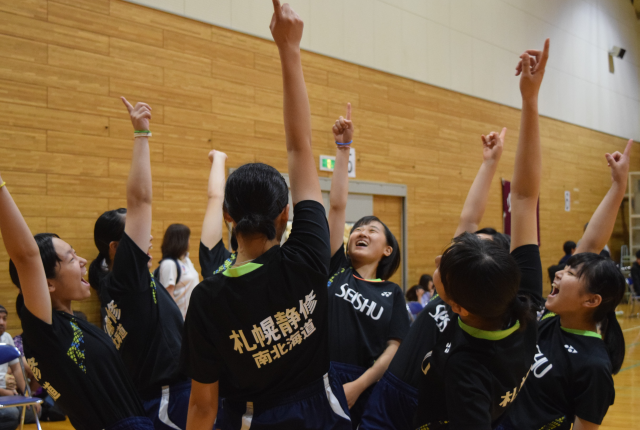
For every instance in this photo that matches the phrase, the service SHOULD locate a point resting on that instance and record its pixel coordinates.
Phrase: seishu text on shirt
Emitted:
(358, 303)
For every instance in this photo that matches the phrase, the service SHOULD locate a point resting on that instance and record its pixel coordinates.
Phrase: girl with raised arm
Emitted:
(256, 334)
(481, 359)
(393, 402)
(75, 362)
(142, 319)
(367, 314)
(214, 257)
(580, 343)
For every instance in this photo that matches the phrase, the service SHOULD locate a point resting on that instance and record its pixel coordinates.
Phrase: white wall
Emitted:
(470, 46)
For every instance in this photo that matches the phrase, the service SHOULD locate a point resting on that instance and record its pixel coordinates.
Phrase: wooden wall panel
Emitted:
(65, 138)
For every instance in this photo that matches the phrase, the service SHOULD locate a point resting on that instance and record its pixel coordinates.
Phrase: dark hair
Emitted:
(425, 280)
(109, 228)
(254, 196)
(175, 242)
(638, 253)
(412, 293)
(503, 240)
(568, 247)
(80, 315)
(482, 277)
(602, 277)
(387, 266)
(48, 254)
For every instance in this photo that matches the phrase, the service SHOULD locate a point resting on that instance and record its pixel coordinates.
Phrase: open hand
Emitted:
(286, 26)
(140, 115)
(343, 128)
(214, 154)
(531, 68)
(619, 163)
(492, 145)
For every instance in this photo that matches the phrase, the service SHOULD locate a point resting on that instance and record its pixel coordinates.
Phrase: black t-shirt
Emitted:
(472, 376)
(215, 260)
(571, 377)
(143, 321)
(260, 329)
(363, 314)
(422, 337)
(78, 366)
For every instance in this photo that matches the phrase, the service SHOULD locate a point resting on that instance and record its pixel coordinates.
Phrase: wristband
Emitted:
(344, 144)
(142, 131)
(141, 134)
(3, 184)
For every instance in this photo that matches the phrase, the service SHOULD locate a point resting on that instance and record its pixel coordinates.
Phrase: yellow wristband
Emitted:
(3, 184)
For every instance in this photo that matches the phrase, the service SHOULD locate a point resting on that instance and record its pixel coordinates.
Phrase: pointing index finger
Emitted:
(349, 111)
(627, 150)
(277, 9)
(127, 104)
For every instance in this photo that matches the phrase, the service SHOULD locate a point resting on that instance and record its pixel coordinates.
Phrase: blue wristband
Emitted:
(344, 144)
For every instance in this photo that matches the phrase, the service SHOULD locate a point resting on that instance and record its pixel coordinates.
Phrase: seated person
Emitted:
(414, 296)
(569, 248)
(635, 274)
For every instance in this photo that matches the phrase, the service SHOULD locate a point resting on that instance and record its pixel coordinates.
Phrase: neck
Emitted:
(366, 270)
(481, 323)
(61, 305)
(578, 322)
(252, 248)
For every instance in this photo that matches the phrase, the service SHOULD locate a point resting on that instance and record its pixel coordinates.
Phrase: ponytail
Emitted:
(613, 340)
(253, 223)
(97, 273)
(522, 310)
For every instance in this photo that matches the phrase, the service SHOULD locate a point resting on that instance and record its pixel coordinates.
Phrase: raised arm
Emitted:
(604, 218)
(343, 134)
(139, 189)
(286, 28)
(476, 202)
(527, 170)
(24, 252)
(212, 225)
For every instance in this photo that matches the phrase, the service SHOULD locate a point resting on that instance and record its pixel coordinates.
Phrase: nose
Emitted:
(83, 262)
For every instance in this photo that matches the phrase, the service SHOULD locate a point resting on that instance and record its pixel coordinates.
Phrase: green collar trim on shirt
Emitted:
(235, 272)
(368, 280)
(582, 332)
(489, 335)
(548, 315)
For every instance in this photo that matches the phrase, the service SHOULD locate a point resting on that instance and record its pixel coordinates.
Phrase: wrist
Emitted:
(530, 101)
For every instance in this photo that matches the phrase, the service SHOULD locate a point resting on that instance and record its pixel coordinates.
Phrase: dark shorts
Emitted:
(348, 373)
(169, 411)
(133, 423)
(391, 406)
(318, 406)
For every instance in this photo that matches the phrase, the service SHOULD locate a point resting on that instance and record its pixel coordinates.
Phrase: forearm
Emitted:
(297, 112)
(375, 372)
(603, 220)
(476, 202)
(527, 171)
(212, 225)
(201, 416)
(5, 392)
(139, 187)
(340, 180)
(17, 373)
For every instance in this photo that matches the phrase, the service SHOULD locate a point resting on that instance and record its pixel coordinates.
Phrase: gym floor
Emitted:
(622, 415)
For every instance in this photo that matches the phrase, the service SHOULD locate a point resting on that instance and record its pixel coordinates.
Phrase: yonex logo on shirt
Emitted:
(571, 349)
(446, 351)
(355, 298)
(386, 294)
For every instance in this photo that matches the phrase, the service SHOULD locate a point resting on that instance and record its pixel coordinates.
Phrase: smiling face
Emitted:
(368, 243)
(570, 295)
(69, 282)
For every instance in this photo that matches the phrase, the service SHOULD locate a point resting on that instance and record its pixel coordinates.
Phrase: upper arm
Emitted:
(528, 259)
(580, 424)
(138, 224)
(524, 221)
(303, 177)
(308, 242)
(35, 288)
(204, 395)
(337, 218)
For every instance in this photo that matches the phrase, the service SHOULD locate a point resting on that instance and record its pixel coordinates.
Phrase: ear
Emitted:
(593, 301)
(113, 246)
(458, 309)
(50, 285)
(284, 215)
(388, 250)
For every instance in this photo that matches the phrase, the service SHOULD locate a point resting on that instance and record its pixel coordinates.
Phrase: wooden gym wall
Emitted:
(65, 138)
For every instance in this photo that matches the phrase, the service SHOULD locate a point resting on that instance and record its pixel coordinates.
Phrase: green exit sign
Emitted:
(327, 163)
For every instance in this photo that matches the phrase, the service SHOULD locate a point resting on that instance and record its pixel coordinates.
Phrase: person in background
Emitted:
(429, 288)
(9, 417)
(569, 248)
(635, 274)
(176, 271)
(414, 297)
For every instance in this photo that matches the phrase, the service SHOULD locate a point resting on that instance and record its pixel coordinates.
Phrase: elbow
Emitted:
(26, 254)
(139, 198)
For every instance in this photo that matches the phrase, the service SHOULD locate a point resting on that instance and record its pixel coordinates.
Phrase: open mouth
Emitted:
(84, 282)
(361, 243)
(555, 290)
